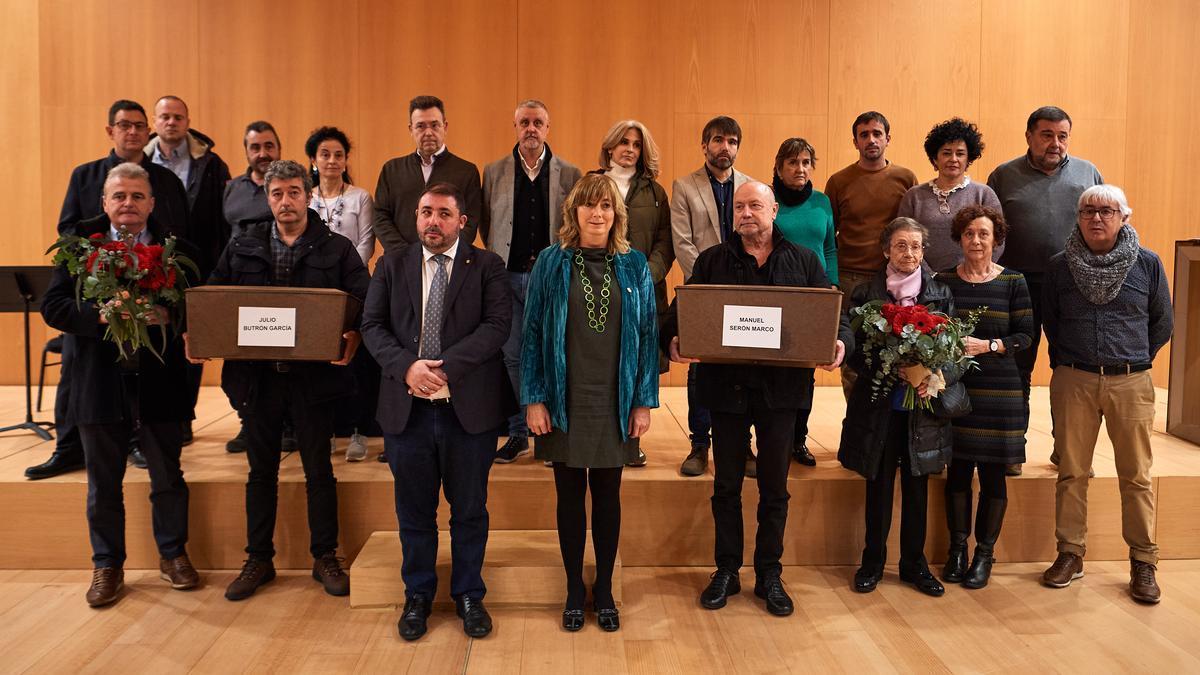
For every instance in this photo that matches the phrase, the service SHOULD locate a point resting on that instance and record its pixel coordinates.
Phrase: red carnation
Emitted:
(96, 236)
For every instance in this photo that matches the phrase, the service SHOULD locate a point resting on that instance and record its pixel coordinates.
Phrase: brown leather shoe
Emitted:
(1142, 585)
(107, 583)
(179, 572)
(1067, 568)
(328, 570)
(254, 573)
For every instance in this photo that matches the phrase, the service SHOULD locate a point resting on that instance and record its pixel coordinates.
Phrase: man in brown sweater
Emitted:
(403, 179)
(865, 197)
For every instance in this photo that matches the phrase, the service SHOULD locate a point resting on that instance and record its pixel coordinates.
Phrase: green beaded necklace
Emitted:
(595, 322)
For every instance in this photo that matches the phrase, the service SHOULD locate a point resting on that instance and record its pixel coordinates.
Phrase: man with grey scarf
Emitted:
(1107, 312)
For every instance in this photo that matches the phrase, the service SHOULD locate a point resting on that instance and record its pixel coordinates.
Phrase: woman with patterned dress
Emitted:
(993, 434)
(589, 377)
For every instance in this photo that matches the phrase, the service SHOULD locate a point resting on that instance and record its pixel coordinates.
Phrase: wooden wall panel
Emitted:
(912, 61)
(1124, 70)
(24, 239)
(1164, 93)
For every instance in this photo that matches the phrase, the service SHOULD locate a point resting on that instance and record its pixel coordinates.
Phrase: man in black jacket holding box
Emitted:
(295, 249)
(741, 396)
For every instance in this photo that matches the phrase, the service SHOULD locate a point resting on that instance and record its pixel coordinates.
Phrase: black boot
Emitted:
(958, 521)
(987, 529)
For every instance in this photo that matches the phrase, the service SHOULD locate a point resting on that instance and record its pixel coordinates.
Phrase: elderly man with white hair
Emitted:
(1107, 312)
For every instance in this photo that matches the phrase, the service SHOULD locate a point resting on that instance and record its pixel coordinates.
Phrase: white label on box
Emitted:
(266, 327)
(757, 327)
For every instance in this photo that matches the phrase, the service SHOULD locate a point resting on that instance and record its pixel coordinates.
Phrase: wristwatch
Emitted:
(993, 345)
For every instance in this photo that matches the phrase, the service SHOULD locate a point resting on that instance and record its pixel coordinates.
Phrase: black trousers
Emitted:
(276, 396)
(66, 434)
(914, 503)
(195, 372)
(105, 449)
(571, 486)
(992, 483)
(1027, 358)
(774, 430)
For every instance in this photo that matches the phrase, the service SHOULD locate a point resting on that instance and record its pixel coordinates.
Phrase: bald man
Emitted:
(741, 396)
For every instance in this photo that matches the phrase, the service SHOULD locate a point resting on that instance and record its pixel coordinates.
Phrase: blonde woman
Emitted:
(589, 377)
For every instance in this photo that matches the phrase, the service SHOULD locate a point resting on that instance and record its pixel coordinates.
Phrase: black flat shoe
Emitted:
(572, 619)
(412, 623)
(477, 622)
(801, 454)
(609, 619)
(866, 579)
(924, 581)
(771, 589)
(723, 584)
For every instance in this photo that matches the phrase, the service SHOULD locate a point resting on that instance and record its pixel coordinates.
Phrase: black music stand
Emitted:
(21, 290)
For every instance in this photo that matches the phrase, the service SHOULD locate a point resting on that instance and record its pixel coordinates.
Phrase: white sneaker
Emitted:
(356, 451)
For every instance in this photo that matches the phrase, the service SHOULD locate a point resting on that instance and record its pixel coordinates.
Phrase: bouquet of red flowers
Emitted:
(130, 283)
(911, 343)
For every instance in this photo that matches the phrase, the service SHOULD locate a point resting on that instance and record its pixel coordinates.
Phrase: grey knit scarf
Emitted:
(1100, 277)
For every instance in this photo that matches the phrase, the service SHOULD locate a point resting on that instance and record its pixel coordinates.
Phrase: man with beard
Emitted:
(436, 318)
(523, 193)
(865, 197)
(702, 217)
(246, 202)
(245, 198)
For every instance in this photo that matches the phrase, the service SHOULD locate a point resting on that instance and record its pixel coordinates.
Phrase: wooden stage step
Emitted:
(523, 569)
(666, 517)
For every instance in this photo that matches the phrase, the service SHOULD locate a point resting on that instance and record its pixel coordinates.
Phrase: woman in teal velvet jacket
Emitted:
(589, 377)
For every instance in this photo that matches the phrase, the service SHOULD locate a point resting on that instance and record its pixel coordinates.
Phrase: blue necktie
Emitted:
(435, 307)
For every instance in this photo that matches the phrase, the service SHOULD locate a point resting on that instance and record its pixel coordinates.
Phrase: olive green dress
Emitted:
(593, 436)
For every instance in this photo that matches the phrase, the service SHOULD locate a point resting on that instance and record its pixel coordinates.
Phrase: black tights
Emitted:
(571, 486)
(992, 484)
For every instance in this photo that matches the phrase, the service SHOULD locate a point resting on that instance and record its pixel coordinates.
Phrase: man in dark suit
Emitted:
(436, 318)
(128, 130)
(112, 395)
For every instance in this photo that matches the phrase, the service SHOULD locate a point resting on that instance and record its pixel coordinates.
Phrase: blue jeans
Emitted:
(433, 452)
(699, 419)
(519, 283)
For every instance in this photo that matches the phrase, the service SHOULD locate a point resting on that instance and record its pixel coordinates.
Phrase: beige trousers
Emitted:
(1079, 401)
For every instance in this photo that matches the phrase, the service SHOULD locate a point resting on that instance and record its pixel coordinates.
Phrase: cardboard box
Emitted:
(268, 323)
(769, 325)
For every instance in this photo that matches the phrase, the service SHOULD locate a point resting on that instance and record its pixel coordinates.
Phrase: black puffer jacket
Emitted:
(864, 431)
(325, 260)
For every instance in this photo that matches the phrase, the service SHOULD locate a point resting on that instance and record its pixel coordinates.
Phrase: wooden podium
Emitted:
(1183, 394)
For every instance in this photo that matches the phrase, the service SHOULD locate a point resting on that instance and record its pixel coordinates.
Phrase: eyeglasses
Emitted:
(420, 127)
(903, 248)
(127, 126)
(1107, 213)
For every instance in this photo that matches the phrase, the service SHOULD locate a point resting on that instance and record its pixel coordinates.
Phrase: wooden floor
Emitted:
(667, 520)
(291, 626)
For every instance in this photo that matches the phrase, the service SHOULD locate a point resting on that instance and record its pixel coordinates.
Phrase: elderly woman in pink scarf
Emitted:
(880, 437)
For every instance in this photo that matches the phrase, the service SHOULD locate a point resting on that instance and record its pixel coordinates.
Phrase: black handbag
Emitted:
(954, 401)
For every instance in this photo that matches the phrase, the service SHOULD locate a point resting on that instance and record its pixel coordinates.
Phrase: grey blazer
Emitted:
(695, 225)
(498, 188)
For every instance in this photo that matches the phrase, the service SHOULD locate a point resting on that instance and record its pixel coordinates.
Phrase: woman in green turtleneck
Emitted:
(805, 219)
